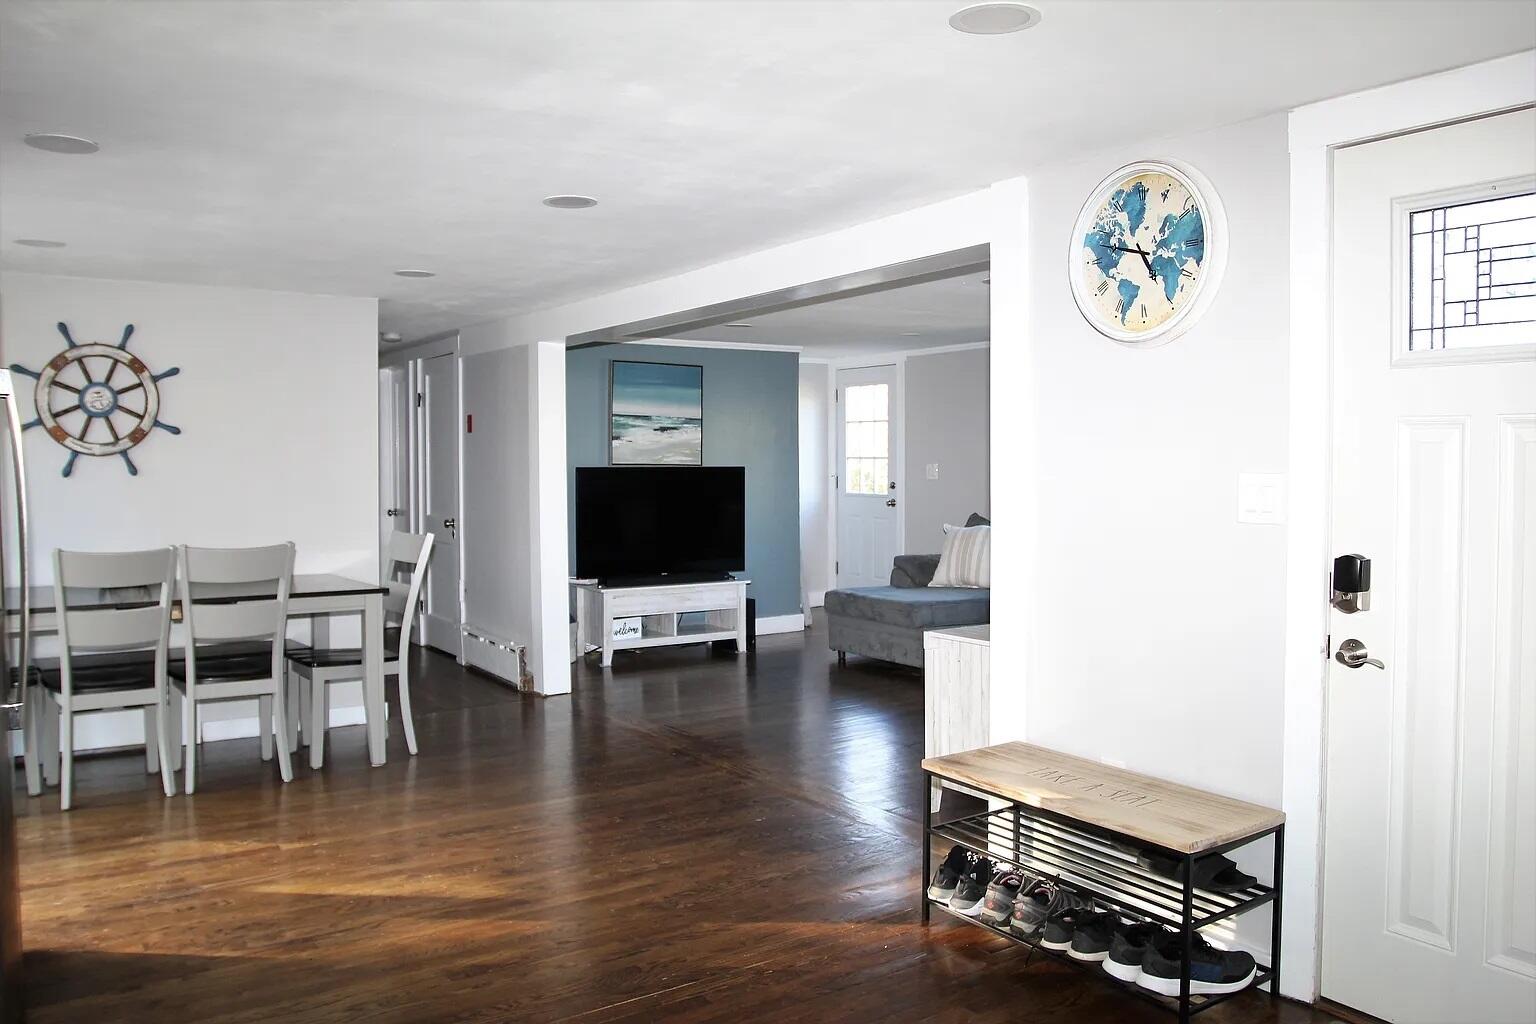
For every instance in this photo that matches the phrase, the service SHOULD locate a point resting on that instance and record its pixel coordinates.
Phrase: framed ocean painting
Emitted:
(656, 414)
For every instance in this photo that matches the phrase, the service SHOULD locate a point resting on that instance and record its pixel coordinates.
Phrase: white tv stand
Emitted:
(723, 602)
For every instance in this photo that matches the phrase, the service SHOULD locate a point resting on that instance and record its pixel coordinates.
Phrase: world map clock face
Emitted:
(1141, 254)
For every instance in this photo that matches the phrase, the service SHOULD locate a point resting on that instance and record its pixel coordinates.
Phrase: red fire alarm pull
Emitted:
(469, 423)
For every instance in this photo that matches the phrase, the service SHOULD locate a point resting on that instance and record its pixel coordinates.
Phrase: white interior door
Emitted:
(867, 416)
(1429, 889)
(438, 477)
(394, 450)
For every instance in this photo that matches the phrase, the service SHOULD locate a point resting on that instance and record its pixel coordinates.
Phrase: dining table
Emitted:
(310, 594)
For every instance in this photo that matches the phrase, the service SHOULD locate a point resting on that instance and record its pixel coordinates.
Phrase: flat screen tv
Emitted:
(660, 523)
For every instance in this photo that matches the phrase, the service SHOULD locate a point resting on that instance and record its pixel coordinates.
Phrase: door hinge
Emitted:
(837, 566)
(418, 399)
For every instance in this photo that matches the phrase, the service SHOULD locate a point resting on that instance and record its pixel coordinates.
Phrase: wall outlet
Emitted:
(1261, 498)
(933, 470)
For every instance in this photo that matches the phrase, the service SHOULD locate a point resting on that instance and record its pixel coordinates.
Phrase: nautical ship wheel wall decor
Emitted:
(87, 405)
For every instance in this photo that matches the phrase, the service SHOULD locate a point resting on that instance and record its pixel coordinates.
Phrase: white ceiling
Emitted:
(952, 311)
(317, 145)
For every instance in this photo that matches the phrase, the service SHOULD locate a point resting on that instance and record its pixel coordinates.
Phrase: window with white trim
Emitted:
(1472, 274)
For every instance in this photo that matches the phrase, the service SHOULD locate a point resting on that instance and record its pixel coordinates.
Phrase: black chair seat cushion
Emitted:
(232, 662)
(100, 673)
(343, 656)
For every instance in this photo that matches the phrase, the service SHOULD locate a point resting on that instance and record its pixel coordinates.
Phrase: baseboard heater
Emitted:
(494, 656)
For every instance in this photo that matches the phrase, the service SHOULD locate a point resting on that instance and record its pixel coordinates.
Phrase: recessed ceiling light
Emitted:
(390, 337)
(911, 334)
(39, 243)
(994, 19)
(738, 325)
(570, 202)
(53, 142)
(415, 273)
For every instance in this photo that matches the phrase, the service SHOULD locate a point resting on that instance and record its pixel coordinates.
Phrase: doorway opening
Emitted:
(419, 474)
(882, 420)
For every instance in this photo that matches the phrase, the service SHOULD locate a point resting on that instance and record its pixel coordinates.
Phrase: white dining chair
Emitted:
(316, 668)
(110, 659)
(235, 595)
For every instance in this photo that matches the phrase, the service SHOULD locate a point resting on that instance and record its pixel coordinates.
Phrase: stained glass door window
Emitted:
(1472, 274)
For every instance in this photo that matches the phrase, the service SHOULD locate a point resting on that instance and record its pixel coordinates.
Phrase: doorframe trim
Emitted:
(412, 358)
(1316, 132)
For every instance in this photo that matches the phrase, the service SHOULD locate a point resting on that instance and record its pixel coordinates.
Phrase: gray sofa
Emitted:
(888, 622)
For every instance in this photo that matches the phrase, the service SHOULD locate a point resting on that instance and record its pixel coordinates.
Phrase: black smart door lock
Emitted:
(1352, 583)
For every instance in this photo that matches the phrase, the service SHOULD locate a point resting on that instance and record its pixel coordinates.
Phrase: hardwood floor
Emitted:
(686, 838)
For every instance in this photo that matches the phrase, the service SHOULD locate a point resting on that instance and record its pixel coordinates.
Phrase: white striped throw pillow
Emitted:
(967, 558)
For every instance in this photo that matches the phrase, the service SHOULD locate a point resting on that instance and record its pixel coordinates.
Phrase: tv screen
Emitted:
(648, 522)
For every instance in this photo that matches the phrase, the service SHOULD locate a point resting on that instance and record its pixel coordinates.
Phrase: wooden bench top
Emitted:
(1165, 814)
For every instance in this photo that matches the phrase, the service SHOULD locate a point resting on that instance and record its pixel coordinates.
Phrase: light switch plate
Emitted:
(933, 470)
(1261, 498)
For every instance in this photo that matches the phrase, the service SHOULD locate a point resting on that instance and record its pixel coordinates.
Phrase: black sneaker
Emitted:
(1032, 908)
(1127, 948)
(972, 890)
(948, 876)
(997, 908)
(1090, 937)
(1060, 925)
(1212, 971)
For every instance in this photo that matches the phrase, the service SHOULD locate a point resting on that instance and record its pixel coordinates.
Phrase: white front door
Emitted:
(438, 473)
(867, 416)
(1429, 894)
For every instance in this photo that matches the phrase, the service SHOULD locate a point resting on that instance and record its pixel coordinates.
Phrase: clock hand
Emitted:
(1143, 254)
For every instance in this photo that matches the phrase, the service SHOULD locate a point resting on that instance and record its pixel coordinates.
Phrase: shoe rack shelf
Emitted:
(1083, 824)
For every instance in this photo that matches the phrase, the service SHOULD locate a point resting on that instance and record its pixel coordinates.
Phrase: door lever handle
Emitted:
(1352, 654)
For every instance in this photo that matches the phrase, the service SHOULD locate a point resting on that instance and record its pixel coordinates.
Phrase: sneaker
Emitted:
(1127, 948)
(948, 876)
(1060, 925)
(1031, 908)
(1212, 971)
(972, 889)
(997, 908)
(1090, 937)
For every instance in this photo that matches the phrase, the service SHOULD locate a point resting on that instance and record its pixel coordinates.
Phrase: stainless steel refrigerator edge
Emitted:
(12, 693)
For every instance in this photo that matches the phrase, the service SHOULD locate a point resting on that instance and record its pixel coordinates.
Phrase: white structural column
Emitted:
(1015, 437)
(549, 647)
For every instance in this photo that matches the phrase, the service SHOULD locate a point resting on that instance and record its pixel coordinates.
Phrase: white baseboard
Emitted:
(781, 624)
(107, 730)
(245, 728)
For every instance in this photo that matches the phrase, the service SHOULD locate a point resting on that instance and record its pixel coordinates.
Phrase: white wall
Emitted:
(1161, 643)
(497, 501)
(514, 536)
(948, 423)
(277, 401)
(815, 480)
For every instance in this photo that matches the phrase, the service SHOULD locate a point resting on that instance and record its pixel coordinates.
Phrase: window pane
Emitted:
(879, 402)
(1471, 278)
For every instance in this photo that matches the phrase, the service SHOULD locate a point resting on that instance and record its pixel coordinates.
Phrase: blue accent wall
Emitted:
(751, 419)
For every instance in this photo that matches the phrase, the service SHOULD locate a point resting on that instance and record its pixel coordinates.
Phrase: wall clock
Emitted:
(97, 399)
(1147, 252)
